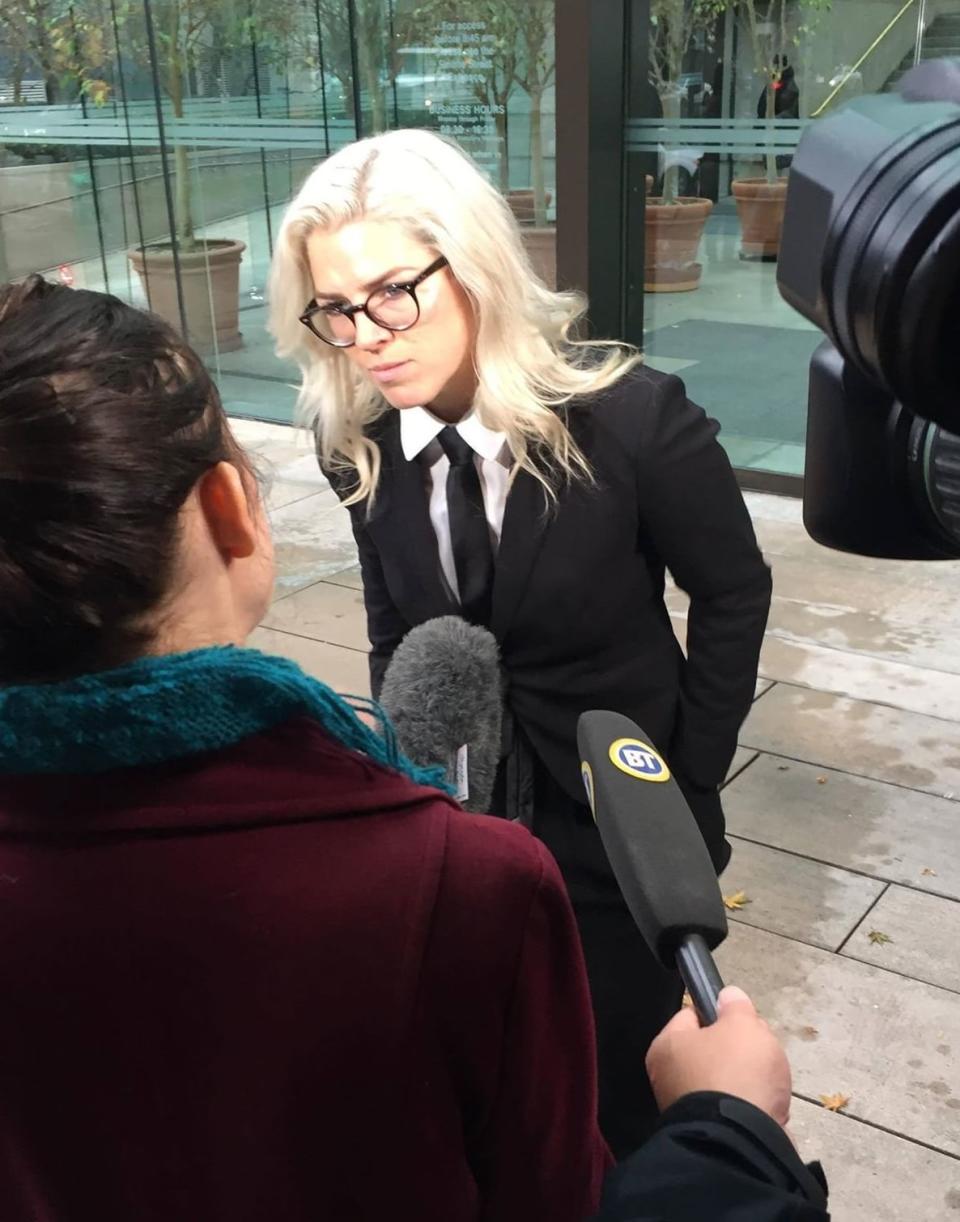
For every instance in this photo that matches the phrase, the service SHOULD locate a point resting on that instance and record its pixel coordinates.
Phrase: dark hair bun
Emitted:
(107, 421)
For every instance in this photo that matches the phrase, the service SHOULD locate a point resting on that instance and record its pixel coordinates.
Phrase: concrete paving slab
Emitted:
(924, 932)
(763, 684)
(859, 585)
(323, 612)
(313, 540)
(253, 434)
(350, 578)
(922, 630)
(875, 1176)
(345, 670)
(882, 830)
(886, 1042)
(781, 534)
(852, 735)
(915, 689)
(281, 492)
(797, 897)
(741, 758)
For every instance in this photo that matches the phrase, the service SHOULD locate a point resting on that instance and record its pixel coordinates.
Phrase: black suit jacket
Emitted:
(578, 606)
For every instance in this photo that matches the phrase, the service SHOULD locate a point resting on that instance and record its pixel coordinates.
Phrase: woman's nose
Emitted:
(369, 334)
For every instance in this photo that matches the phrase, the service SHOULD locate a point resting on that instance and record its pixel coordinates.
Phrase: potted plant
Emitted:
(772, 26)
(674, 222)
(208, 267)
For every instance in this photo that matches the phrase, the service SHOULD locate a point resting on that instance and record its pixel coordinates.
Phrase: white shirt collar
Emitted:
(418, 427)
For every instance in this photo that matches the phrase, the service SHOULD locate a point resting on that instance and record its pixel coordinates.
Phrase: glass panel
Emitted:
(126, 124)
(716, 114)
(484, 75)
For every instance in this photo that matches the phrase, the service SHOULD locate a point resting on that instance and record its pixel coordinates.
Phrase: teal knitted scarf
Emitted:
(176, 705)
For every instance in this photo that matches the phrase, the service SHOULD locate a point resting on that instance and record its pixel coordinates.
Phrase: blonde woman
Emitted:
(495, 468)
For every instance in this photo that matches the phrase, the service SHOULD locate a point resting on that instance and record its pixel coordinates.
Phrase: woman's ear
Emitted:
(227, 511)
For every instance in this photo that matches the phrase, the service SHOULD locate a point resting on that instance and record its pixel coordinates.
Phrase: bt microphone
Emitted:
(442, 692)
(656, 852)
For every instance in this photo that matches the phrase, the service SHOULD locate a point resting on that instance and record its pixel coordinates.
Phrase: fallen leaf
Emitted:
(835, 1103)
(928, 872)
(783, 767)
(878, 938)
(821, 780)
(687, 1002)
(736, 901)
(809, 1033)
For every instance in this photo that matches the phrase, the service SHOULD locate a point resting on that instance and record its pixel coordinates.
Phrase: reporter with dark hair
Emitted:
(253, 966)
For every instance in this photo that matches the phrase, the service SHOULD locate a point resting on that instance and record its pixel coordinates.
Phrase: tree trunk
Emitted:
(536, 155)
(19, 72)
(346, 84)
(503, 152)
(771, 156)
(183, 207)
(368, 70)
(671, 100)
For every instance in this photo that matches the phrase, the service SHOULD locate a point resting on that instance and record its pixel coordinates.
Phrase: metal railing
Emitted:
(852, 71)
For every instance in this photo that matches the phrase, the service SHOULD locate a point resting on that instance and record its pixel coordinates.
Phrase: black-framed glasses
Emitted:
(393, 306)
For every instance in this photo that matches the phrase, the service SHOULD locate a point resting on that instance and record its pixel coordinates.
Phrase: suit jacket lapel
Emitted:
(400, 526)
(525, 522)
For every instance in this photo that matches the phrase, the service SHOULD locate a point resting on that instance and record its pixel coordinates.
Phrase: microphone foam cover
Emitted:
(652, 840)
(442, 690)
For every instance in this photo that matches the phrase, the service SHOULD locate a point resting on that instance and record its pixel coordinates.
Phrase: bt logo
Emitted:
(638, 759)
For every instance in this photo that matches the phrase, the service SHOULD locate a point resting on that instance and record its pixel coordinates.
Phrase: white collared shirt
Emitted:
(419, 429)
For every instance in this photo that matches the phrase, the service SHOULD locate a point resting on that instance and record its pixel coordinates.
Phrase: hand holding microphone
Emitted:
(664, 871)
(737, 1055)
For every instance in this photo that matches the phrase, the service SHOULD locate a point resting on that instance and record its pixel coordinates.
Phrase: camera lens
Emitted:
(892, 261)
(933, 468)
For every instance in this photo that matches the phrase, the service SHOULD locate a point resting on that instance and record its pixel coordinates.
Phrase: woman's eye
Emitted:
(392, 291)
(333, 307)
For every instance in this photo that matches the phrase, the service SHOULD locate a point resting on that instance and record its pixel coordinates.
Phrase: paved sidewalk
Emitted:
(844, 807)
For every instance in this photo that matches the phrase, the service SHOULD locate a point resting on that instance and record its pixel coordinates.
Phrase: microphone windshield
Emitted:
(442, 692)
(652, 840)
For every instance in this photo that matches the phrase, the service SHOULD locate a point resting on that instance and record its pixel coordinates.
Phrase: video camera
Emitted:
(870, 253)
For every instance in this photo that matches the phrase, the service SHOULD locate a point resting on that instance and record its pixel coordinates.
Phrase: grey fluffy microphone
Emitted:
(442, 692)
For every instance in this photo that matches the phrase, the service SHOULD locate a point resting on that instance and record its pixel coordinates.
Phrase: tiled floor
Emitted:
(844, 808)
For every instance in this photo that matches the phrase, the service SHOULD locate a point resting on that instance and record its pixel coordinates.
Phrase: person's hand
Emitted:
(738, 1055)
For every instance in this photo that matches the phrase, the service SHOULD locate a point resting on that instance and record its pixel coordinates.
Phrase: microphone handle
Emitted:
(701, 977)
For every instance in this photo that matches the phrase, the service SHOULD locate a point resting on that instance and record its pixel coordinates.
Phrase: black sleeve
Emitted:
(696, 520)
(386, 627)
(714, 1156)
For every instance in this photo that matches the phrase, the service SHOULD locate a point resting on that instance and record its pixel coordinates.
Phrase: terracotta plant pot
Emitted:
(760, 207)
(522, 205)
(210, 278)
(673, 233)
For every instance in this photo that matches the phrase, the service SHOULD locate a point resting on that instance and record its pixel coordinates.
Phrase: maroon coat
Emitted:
(281, 983)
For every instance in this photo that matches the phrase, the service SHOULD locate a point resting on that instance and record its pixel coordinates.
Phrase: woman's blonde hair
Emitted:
(527, 364)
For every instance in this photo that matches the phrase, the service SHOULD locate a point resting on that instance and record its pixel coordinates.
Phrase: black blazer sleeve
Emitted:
(693, 512)
(386, 627)
(714, 1156)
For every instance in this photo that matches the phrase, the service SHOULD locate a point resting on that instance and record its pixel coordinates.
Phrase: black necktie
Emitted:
(469, 532)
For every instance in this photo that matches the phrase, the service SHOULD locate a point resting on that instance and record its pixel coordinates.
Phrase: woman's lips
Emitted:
(388, 373)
